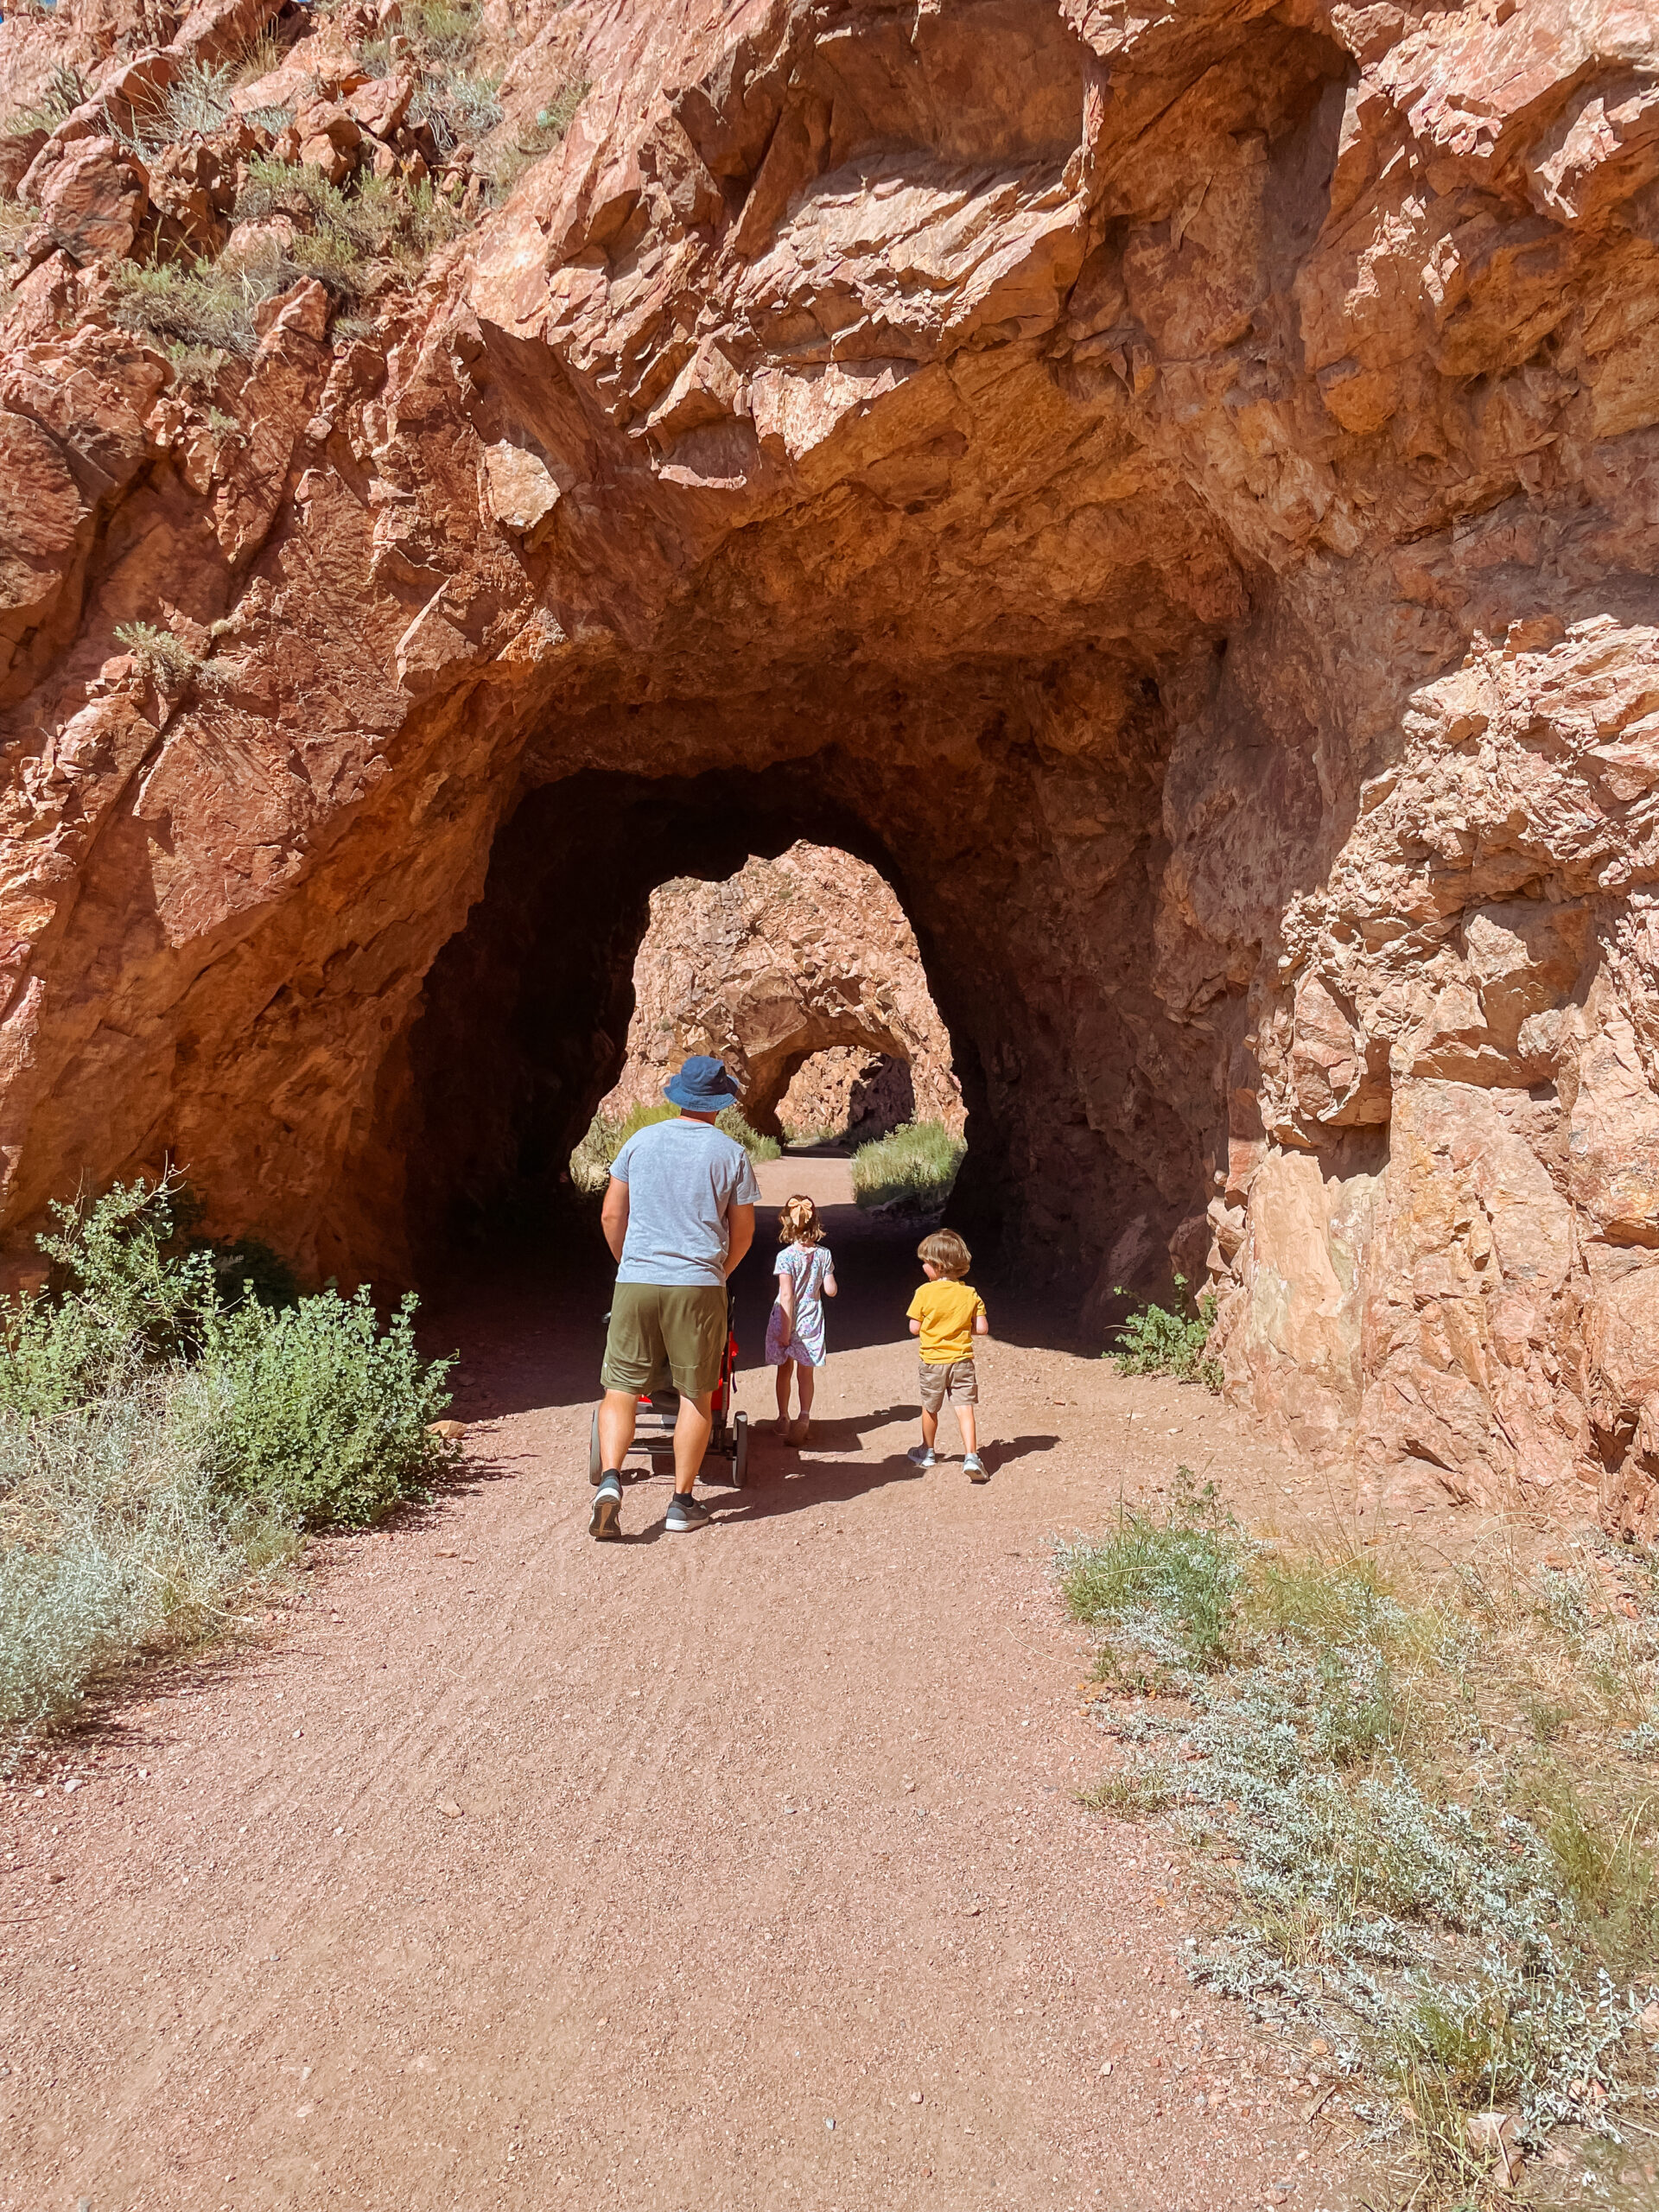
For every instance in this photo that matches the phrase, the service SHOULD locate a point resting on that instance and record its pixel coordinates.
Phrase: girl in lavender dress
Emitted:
(806, 1276)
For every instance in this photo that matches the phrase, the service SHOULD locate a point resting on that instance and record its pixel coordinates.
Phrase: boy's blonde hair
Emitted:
(798, 1223)
(945, 1250)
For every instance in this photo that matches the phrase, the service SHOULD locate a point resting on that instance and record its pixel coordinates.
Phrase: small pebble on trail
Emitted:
(448, 1808)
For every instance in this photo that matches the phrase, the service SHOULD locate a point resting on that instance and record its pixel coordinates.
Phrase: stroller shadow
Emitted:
(808, 1488)
(841, 1433)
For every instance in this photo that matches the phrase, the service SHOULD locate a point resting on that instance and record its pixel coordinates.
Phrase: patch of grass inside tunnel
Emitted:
(590, 1163)
(1468, 1915)
(915, 1167)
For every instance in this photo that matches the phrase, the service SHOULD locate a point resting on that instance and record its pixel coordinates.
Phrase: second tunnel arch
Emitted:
(784, 960)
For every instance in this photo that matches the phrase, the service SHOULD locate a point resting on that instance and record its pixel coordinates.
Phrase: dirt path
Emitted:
(764, 1883)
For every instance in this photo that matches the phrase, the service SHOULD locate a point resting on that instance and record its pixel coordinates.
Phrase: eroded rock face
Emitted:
(1174, 488)
(785, 960)
(854, 1097)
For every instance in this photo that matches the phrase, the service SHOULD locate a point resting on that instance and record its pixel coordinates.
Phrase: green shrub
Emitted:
(206, 308)
(195, 103)
(1156, 1341)
(1178, 1580)
(549, 128)
(353, 241)
(733, 1121)
(127, 1292)
(171, 1411)
(62, 95)
(319, 1414)
(114, 1538)
(916, 1168)
(1465, 1918)
(357, 243)
(458, 109)
(168, 656)
(809, 1140)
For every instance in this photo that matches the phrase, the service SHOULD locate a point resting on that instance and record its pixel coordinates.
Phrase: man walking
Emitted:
(678, 1216)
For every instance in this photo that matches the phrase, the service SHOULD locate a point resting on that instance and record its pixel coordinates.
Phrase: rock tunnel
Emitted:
(1173, 493)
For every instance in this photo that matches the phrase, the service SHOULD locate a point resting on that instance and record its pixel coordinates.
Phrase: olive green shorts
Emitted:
(663, 1331)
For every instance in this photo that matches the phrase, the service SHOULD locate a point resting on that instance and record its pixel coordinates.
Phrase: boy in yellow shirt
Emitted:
(947, 1314)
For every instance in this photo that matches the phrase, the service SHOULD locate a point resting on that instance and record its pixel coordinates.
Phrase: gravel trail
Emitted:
(736, 1872)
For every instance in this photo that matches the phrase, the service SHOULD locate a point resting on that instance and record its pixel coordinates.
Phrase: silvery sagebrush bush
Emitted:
(1307, 1722)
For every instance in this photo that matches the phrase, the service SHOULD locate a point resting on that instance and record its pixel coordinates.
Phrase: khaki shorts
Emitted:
(956, 1383)
(661, 1332)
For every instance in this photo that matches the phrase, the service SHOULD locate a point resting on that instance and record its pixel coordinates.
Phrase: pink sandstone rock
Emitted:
(1174, 486)
(787, 960)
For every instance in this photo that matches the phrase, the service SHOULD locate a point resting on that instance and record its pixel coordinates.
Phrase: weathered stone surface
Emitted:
(93, 199)
(784, 961)
(521, 491)
(851, 1097)
(1175, 488)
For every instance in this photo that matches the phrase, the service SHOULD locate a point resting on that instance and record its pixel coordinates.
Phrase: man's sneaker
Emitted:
(685, 1512)
(605, 1519)
(920, 1455)
(974, 1467)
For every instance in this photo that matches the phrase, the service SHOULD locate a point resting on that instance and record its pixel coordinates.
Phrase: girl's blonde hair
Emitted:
(798, 1223)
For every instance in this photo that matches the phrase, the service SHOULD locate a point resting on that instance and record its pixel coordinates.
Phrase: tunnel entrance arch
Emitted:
(524, 1013)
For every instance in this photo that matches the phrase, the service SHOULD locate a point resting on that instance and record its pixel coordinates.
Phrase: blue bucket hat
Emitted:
(703, 1086)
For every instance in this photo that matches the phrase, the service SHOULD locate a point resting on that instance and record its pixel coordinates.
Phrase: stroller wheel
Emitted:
(740, 1450)
(596, 1466)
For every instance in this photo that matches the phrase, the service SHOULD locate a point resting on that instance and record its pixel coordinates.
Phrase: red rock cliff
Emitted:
(1173, 488)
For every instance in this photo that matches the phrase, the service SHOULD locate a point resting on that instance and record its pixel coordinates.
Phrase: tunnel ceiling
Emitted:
(1171, 491)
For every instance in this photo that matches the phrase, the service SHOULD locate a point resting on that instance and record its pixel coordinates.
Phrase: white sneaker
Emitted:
(920, 1455)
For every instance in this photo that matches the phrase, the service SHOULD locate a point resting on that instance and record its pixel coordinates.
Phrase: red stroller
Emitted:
(659, 1409)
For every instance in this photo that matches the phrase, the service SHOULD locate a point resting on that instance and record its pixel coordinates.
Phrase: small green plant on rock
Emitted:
(167, 656)
(1160, 1341)
(540, 137)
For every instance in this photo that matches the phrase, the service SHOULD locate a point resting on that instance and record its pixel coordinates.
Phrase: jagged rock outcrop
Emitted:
(785, 959)
(1173, 488)
(854, 1097)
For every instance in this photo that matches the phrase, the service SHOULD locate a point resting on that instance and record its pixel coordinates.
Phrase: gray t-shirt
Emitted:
(682, 1177)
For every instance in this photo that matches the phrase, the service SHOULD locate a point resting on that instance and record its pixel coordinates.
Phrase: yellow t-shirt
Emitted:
(947, 1311)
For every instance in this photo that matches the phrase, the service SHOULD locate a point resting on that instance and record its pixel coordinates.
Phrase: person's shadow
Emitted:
(807, 1485)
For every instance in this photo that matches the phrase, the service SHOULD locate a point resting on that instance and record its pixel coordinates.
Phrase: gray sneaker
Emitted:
(920, 1455)
(606, 1520)
(685, 1512)
(974, 1467)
